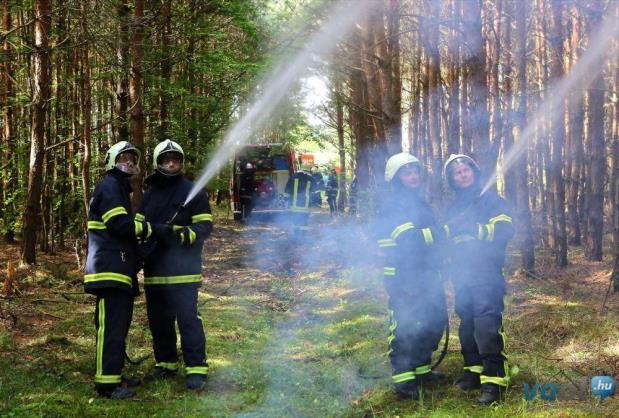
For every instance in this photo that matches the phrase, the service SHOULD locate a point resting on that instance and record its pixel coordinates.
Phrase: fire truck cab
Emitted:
(258, 179)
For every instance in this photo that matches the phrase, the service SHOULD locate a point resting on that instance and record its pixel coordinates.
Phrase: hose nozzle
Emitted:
(180, 209)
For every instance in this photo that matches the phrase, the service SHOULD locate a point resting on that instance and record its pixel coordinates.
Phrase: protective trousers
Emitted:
(112, 319)
(300, 221)
(417, 325)
(481, 333)
(164, 306)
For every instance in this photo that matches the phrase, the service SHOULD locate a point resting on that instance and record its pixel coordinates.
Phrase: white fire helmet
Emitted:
(397, 161)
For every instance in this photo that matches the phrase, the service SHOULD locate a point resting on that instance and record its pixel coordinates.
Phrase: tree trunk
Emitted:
(122, 57)
(596, 157)
(136, 99)
(165, 67)
(475, 61)
(523, 214)
(339, 116)
(40, 109)
(86, 104)
(9, 182)
(558, 136)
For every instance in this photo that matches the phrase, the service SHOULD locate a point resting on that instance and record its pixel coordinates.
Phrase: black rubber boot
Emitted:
(118, 393)
(431, 379)
(469, 381)
(160, 373)
(131, 382)
(195, 382)
(490, 393)
(407, 390)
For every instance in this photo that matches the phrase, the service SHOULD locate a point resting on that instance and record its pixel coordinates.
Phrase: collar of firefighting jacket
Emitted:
(160, 180)
(468, 195)
(122, 177)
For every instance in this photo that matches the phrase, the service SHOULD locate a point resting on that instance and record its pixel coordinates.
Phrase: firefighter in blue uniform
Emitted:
(111, 266)
(173, 269)
(478, 229)
(410, 240)
(299, 189)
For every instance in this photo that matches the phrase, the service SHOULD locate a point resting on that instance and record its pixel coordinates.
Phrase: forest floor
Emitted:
(305, 338)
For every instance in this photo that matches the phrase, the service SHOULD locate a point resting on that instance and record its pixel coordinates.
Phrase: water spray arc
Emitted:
(342, 18)
(580, 77)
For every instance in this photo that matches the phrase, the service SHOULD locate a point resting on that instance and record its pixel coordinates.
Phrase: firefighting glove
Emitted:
(163, 232)
(185, 236)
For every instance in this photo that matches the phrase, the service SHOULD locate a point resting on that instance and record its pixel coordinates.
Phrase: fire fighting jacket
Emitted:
(112, 234)
(176, 261)
(478, 229)
(299, 191)
(411, 241)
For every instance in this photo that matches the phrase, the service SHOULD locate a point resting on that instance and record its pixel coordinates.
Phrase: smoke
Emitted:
(341, 19)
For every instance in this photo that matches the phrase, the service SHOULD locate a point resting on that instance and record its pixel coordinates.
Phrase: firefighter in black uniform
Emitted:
(173, 269)
(111, 266)
(410, 240)
(333, 192)
(247, 186)
(299, 191)
(478, 229)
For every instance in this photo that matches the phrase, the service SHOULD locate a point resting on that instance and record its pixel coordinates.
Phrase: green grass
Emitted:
(311, 345)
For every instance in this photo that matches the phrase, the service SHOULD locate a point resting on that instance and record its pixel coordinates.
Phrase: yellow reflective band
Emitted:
(389, 271)
(138, 228)
(119, 210)
(480, 232)
(474, 369)
(149, 230)
(388, 242)
(403, 377)
(425, 369)
(100, 336)
(189, 278)
(182, 235)
(494, 380)
(427, 236)
(176, 227)
(192, 236)
(196, 370)
(295, 191)
(463, 238)
(500, 218)
(167, 366)
(490, 228)
(201, 217)
(390, 338)
(140, 217)
(96, 225)
(401, 228)
(100, 277)
(110, 378)
(447, 232)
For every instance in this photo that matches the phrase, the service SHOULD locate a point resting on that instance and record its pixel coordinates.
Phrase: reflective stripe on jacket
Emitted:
(299, 189)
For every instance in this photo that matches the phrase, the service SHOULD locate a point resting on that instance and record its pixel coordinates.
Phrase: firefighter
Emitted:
(478, 229)
(410, 240)
(173, 270)
(333, 192)
(246, 190)
(318, 186)
(111, 267)
(299, 189)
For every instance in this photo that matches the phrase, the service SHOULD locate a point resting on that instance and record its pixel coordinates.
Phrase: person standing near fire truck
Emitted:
(299, 189)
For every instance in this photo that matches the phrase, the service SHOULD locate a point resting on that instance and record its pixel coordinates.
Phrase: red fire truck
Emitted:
(258, 179)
